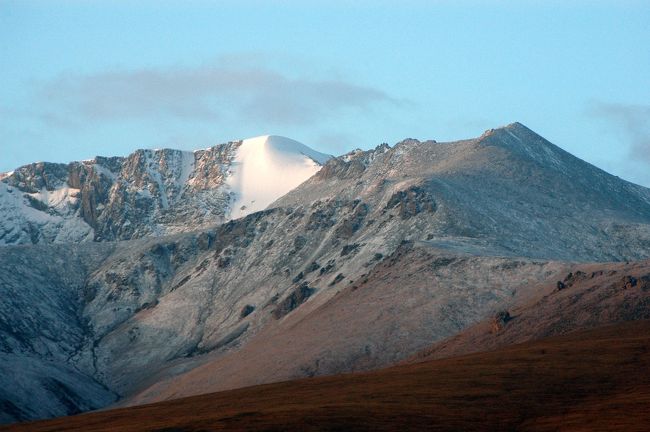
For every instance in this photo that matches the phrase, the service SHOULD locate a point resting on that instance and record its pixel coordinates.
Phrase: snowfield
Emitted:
(267, 167)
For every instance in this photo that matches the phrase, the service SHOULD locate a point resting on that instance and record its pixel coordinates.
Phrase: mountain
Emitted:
(150, 192)
(588, 380)
(377, 256)
(509, 192)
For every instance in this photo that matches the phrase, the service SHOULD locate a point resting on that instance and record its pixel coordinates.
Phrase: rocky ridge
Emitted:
(148, 193)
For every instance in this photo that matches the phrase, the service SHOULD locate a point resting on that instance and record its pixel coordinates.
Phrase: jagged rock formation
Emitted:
(378, 255)
(150, 192)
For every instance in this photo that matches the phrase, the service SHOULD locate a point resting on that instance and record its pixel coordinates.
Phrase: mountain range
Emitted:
(168, 274)
(150, 192)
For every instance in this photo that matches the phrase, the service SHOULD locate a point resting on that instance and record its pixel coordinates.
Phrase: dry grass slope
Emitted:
(591, 380)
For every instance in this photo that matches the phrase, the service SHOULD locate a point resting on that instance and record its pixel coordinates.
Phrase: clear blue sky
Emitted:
(80, 78)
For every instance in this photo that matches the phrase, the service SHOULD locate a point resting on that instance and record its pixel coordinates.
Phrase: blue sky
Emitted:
(81, 78)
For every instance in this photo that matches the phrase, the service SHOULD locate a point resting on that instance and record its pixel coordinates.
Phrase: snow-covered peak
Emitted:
(280, 144)
(267, 167)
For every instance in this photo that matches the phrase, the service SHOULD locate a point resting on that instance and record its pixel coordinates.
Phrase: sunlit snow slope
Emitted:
(267, 167)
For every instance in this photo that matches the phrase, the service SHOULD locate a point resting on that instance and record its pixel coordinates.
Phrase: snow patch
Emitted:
(154, 174)
(20, 220)
(58, 198)
(187, 167)
(104, 171)
(265, 168)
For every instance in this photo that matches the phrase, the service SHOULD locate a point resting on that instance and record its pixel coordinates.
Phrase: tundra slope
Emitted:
(150, 192)
(418, 295)
(598, 387)
(588, 296)
(491, 217)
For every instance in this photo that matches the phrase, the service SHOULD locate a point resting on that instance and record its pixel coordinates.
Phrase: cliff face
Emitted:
(150, 192)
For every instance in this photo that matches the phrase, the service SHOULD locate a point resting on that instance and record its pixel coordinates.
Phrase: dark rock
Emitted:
(297, 297)
(347, 249)
(572, 278)
(337, 167)
(272, 300)
(351, 225)
(298, 243)
(500, 320)
(182, 282)
(296, 214)
(312, 267)
(205, 240)
(442, 262)
(134, 333)
(327, 268)
(411, 202)
(629, 282)
(36, 203)
(37, 176)
(644, 283)
(226, 340)
(246, 310)
(233, 336)
(203, 265)
(224, 261)
(322, 218)
(339, 277)
(147, 305)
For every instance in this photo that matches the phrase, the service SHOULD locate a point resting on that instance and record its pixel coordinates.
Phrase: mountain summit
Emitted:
(267, 167)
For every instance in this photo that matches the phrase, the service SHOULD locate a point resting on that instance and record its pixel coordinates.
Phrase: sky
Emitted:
(85, 78)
